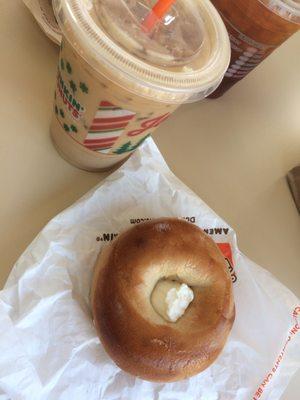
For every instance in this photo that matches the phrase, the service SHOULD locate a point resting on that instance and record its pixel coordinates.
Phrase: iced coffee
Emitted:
(256, 28)
(117, 82)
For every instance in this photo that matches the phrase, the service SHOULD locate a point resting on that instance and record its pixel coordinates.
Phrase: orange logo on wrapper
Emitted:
(227, 253)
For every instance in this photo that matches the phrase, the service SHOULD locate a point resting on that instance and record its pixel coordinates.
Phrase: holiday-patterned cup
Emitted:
(107, 100)
(96, 123)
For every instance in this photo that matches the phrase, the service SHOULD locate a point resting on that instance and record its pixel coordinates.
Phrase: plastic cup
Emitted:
(256, 28)
(117, 84)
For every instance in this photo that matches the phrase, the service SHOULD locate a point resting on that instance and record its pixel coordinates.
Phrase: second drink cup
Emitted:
(118, 80)
(256, 28)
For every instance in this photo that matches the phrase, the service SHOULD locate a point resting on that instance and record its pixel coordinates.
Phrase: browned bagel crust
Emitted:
(139, 340)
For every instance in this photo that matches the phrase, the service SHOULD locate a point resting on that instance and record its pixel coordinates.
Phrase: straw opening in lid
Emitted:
(167, 40)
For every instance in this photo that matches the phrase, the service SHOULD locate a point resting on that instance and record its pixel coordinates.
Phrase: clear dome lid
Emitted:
(185, 54)
(175, 40)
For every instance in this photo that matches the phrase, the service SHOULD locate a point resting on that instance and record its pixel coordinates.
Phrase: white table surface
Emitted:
(234, 152)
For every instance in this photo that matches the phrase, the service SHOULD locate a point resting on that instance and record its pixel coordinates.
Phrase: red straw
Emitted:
(157, 13)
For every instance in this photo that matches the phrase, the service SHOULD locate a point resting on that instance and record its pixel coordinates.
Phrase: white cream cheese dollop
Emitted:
(171, 298)
(178, 301)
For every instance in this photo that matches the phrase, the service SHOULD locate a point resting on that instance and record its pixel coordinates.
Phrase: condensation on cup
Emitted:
(256, 28)
(117, 81)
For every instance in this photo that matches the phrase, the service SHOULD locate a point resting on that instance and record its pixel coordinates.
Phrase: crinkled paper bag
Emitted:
(48, 344)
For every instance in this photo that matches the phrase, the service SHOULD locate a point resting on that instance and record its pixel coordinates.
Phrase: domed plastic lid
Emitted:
(185, 54)
(287, 9)
(174, 40)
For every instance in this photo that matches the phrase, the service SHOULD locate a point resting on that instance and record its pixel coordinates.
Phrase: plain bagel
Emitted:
(133, 333)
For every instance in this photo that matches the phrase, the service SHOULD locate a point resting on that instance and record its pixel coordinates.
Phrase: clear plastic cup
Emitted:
(256, 28)
(117, 82)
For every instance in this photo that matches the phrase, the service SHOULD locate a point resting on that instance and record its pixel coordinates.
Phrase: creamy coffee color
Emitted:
(115, 87)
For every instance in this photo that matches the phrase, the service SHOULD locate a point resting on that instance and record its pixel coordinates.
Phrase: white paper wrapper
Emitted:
(43, 13)
(48, 345)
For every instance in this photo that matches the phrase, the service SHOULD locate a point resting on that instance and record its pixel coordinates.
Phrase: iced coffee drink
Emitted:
(256, 28)
(117, 81)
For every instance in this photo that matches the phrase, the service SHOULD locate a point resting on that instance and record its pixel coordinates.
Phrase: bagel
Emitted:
(132, 276)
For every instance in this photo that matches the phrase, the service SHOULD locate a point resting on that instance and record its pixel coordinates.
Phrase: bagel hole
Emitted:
(171, 297)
